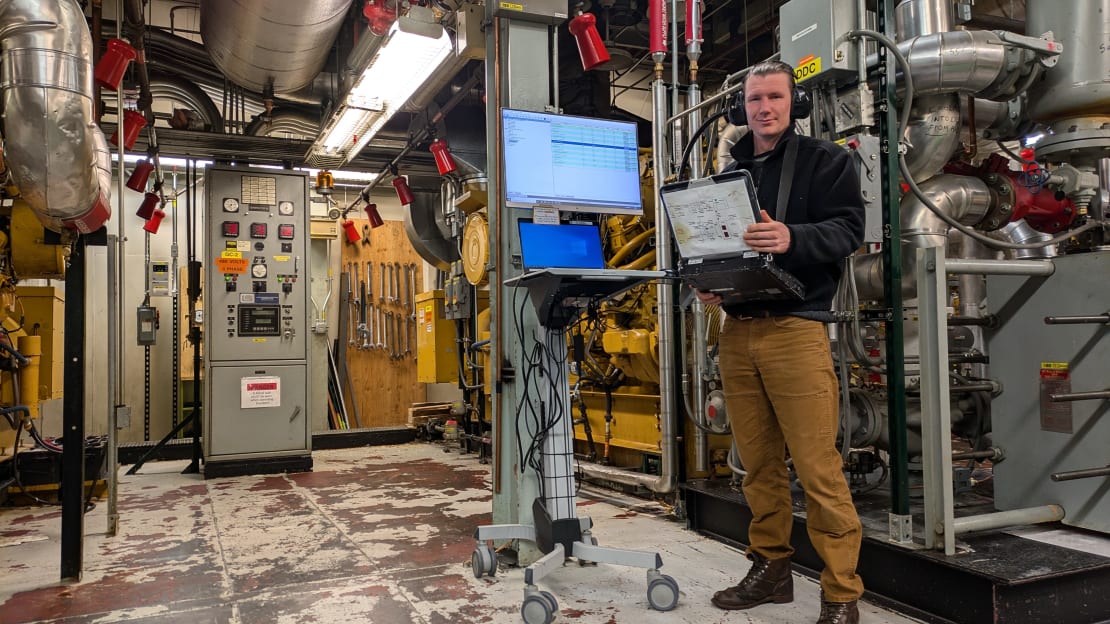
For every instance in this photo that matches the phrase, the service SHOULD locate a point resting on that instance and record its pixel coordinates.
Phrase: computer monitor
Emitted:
(570, 163)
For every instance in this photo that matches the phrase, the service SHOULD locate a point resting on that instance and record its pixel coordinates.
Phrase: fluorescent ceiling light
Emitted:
(410, 52)
(338, 174)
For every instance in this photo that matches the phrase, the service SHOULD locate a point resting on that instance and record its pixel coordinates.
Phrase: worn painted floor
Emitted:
(380, 535)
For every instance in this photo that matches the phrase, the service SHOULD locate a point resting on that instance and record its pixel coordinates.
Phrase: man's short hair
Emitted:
(765, 68)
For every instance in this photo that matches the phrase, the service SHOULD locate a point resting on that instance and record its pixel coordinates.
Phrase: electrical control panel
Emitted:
(813, 41)
(257, 396)
(256, 253)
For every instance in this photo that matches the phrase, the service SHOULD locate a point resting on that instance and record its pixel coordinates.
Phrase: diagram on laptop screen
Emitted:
(710, 220)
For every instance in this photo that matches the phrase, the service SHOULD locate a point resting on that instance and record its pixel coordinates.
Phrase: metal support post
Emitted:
(936, 417)
(901, 529)
(112, 459)
(73, 418)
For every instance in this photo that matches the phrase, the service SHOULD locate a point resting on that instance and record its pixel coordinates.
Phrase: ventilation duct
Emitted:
(57, 155)
(271, 45)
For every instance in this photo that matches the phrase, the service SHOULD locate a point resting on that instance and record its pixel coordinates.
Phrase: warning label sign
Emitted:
(1055, 415)
(236, 266)
(260, 392)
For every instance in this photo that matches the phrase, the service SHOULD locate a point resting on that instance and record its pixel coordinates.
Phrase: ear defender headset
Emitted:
(800, 106)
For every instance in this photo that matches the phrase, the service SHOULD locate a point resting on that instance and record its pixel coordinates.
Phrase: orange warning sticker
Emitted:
(232, 265)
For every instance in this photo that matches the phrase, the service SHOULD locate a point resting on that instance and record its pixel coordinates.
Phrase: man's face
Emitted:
(767, 100)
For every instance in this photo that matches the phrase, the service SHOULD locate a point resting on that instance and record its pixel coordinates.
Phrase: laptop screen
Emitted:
(564, 246)
(709, 216)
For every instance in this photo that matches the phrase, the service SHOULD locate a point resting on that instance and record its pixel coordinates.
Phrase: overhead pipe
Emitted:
(271, 46)
(51, 131)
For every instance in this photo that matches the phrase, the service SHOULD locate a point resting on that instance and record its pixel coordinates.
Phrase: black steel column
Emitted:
(73, 417)
(892, 271)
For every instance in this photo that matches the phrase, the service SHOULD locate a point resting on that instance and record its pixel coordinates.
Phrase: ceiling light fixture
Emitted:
(410, 52)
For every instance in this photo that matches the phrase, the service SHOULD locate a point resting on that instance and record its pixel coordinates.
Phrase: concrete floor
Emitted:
(380, 534)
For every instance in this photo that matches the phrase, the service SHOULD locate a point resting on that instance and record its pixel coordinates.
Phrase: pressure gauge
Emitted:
(258, 270)
(231, 204)
(285, 208)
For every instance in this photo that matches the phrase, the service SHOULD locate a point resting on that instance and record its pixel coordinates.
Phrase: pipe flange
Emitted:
(1003, 199)
(1078, 144)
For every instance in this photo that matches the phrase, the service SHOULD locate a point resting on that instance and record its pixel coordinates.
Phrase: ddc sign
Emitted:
(808, 67)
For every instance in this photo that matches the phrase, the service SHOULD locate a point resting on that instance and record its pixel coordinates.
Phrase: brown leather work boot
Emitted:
(838, 612)
(768, 580)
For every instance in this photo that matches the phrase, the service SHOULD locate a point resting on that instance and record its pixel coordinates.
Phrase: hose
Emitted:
(694, 140)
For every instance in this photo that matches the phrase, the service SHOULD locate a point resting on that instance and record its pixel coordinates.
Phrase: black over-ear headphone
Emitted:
(800, 106)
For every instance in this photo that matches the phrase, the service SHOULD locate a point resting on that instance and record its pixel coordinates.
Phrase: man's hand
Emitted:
(768, 236)
(707, 298)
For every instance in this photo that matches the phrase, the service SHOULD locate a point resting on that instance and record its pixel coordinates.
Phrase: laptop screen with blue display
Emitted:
(565, 246)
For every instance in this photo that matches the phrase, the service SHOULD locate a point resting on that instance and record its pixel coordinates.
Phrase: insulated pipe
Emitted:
(964, 61)
(273, 45)
(933, 134)
(1013, 517)
(963, 198)
(914, 18)
(50, 124)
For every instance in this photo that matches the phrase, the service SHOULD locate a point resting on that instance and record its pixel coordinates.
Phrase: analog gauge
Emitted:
(285, 208)
(231, 204)
(258, 270)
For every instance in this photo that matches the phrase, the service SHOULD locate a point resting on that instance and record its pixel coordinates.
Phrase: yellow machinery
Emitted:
(31, 325)
(437, 355)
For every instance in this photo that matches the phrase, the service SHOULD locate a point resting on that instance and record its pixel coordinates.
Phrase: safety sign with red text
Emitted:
(260, 392)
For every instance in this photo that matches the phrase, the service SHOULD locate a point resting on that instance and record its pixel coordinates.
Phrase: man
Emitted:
(775, 363)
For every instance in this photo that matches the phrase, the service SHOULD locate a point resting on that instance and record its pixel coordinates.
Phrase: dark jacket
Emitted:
(825, 217)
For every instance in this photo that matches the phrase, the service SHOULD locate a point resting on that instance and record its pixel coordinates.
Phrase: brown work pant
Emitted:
(781, 393)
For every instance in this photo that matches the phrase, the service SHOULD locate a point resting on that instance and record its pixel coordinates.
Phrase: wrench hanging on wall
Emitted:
(353, 300)
(397, 281)
(362, 332)
(412, 295)
(405, 290)
(381, 288)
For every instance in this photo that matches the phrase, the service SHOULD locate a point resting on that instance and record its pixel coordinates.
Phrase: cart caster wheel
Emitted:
(550, 600)
(662, 593)
(483, 561)
(538, 609)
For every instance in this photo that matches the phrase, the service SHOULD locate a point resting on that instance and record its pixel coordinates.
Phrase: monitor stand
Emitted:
(558, 532)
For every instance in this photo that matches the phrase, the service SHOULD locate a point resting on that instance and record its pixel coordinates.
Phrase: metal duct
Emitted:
(271, 44)
(963, 61)
(1079, 85)
(933, 134)
(913, 18)
(286, 124)
(1021, 232)
(426, 227)
(52, 143)
(181, 91)
(963, 198)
